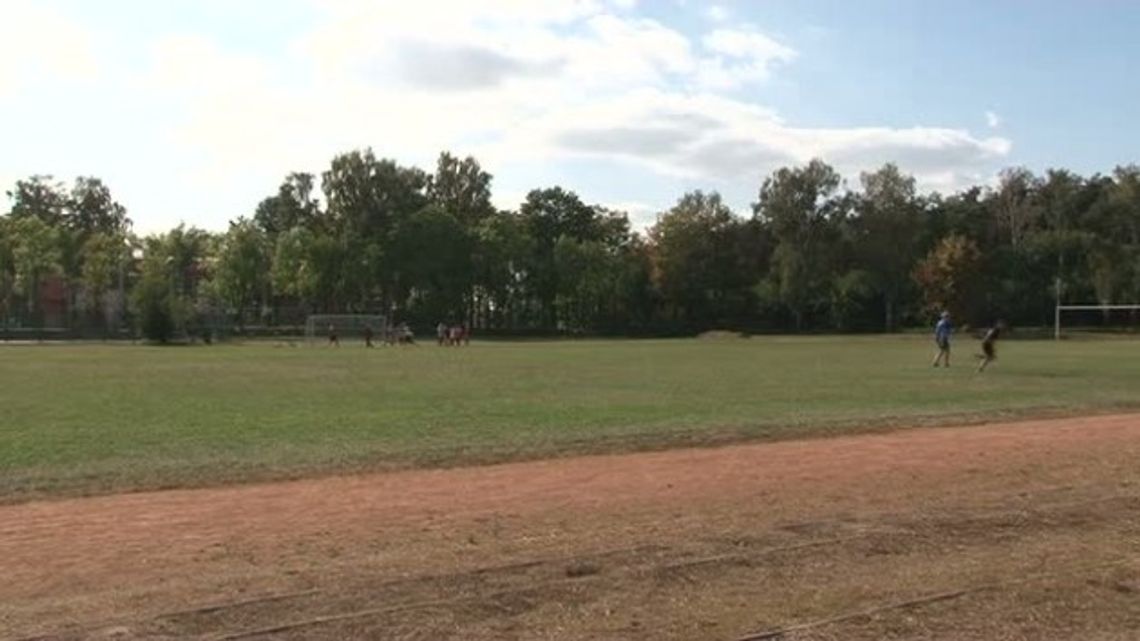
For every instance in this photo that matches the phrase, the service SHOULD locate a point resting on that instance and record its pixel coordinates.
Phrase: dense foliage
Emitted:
(815, 254)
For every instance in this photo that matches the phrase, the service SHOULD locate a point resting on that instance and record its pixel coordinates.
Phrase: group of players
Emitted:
(456, 335)
(447, 335)
(944, 328)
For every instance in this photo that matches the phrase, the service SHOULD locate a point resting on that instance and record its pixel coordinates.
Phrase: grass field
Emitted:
(93, 418)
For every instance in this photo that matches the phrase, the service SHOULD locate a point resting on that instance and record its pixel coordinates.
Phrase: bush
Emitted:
(154, 310)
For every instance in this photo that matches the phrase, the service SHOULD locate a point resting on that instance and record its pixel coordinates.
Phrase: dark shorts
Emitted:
(943, 344)
(988, 350)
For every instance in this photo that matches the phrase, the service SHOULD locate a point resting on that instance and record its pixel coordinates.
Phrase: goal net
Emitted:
(1075, 321)
(318, 327)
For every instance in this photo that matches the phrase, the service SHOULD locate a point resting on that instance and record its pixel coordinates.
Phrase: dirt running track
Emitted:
(1018, 531)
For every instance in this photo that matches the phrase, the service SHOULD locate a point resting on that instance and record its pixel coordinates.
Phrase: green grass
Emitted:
(94, 418)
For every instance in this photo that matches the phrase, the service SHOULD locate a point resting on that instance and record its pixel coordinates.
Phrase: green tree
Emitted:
(502, 248)
(310, 267)
(294, 205)
(801, 207)
(368, 197)
(1124, 204)
(700, 269)
(7, 268)
(40, 197)
(90, 209)
(887, 227)
(367, 201)
(950, 276)
(35, 255)
(1018, 214)
(153, 299)
(174, 283)
(292, 272)
(432, 250)
(1122, 212)
(241, 275)
(462, 189)
(104, 259)
(548, 215)
(851, 293)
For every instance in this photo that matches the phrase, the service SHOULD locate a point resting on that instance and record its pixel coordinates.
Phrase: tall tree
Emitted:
(178, 262)
(461, 188)
(105, 256)
(90, 209)
(41, 197)
(367, 200)
(550, 214)
(241, 275)
(1123, 225)
(153, 298)
(1016, 210)
(368, 197)
(888, 225)
(292, 272)
(801, 207)
(1124, 202)
(950, 277)
(501, 253)
(311, 267)
(699, 269)
(35, 255)
(432, 250)
(7, 268)
(294, 205)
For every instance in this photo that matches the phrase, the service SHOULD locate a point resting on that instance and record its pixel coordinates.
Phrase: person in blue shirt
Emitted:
(942, 332)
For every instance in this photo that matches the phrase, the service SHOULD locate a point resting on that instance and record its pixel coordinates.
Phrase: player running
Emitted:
(989, 354)
(942, 332)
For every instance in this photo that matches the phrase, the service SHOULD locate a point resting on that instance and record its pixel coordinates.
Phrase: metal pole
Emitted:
(122, 298)
(1057, 311)
(1057, 323)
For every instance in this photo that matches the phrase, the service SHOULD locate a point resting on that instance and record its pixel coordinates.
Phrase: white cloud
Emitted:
(740, 56)
(517, 83)
(993, 121)
(38, 43)
(717, 13)
(721, 140)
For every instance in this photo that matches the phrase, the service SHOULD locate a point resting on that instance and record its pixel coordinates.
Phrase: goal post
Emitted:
(1104, 318)
(345, 326)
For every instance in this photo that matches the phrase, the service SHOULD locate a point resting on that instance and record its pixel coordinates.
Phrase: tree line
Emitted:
(373, 236)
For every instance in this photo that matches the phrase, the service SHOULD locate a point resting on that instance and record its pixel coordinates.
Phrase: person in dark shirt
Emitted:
(989, 353)
(368, 336)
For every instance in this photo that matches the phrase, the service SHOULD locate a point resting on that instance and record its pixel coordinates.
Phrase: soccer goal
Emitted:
(1070, 320)
(318, 327)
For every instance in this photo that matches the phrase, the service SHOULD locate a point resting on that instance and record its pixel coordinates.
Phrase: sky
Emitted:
(194, 110)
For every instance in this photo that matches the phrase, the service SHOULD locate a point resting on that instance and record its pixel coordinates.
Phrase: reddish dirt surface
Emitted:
(1026, 530)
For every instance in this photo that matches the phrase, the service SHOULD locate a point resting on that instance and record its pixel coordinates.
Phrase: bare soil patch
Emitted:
(1025, 530)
